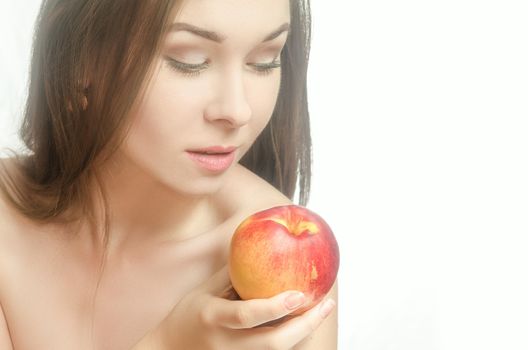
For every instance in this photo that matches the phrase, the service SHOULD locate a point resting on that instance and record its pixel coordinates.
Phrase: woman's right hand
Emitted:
(205, 320)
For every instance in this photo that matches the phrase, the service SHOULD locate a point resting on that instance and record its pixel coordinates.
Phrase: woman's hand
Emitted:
(205, 320)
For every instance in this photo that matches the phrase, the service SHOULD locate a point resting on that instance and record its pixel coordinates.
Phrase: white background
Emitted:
(419, 113)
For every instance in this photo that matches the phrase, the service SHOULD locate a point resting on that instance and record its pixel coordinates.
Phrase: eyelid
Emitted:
(193, 66)
(185, 48)
(206, 62)
(194, 70)
(191, 55)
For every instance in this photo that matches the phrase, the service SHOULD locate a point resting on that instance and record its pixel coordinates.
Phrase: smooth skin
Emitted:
(165, 278)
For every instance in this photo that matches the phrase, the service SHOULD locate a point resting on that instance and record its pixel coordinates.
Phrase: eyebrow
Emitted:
(181, 26)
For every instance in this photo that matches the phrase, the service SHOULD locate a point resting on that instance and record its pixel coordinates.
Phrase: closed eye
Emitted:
(188, 69)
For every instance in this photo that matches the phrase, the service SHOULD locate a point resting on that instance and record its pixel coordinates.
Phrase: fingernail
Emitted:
(327, 308)
(294, 300)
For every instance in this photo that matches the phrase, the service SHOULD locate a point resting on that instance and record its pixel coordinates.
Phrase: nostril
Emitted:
(233, 110)
(231, 121)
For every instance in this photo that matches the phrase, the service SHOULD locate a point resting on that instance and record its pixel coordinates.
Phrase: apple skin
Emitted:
(283, 248)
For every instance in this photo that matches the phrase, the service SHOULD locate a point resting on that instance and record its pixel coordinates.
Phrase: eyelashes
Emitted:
(192, 70)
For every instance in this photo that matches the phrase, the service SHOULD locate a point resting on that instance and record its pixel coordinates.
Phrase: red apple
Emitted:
(283, 248)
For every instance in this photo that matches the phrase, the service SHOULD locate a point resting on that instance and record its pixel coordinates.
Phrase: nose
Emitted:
(230, 105)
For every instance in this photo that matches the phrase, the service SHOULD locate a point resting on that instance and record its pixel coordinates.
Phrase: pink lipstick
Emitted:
(215, 158)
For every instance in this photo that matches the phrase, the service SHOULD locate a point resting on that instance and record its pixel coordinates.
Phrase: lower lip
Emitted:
(213, 162)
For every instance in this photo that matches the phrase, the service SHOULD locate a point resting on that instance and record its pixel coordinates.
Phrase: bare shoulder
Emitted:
(245, 192)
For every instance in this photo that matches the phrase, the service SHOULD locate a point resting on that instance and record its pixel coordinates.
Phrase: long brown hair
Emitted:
(101, 51)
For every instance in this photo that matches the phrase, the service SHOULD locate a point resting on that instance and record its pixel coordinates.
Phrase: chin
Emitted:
(199, 185)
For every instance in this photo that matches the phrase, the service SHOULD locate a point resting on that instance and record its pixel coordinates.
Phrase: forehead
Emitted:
(235, 18)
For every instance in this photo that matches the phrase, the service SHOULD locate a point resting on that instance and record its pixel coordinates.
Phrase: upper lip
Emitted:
(214, 149)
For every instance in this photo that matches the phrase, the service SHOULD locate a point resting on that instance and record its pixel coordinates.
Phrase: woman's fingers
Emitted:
(292, 332)
(240, 314)
(235, 316)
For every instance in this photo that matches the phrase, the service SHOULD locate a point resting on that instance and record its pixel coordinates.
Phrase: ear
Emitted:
(82, 89)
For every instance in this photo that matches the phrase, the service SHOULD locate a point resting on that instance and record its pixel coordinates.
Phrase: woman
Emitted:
(154, 128)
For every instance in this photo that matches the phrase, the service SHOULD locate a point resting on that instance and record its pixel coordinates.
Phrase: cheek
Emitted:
(263, 100)
(166, 115)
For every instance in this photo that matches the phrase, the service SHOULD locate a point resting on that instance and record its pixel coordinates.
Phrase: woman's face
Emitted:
(216, 91)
